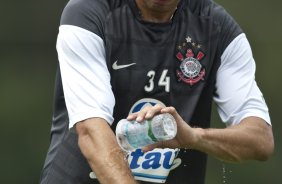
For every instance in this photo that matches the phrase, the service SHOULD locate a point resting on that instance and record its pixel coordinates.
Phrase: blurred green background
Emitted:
(28, 31)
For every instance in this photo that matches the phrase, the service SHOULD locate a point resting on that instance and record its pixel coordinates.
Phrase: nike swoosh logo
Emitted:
(117, 67)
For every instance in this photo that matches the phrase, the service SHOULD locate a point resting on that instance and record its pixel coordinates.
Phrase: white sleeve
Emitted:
(237, 94)
(85, 76)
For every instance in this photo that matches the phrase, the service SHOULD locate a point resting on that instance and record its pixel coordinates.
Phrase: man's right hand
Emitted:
(183, 129)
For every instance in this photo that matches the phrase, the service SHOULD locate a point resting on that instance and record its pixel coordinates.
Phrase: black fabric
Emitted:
(153, 47)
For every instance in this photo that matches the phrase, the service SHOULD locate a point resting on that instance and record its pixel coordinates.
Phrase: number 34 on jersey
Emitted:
(162, 81)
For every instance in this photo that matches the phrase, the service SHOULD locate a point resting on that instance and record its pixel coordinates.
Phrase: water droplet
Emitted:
(92, 175)
(223, 173)
(226, 173)
(126, 155)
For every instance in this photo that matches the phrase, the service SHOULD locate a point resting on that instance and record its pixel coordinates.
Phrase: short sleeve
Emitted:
(237, 94)
(85, 76)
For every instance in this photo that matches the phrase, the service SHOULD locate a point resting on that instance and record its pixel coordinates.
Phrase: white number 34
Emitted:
(163, 81)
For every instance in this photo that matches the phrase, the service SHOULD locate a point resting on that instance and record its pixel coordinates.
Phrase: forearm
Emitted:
(99, 146)
(251, 139)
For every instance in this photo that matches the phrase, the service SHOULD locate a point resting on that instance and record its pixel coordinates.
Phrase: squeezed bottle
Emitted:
(132, 135)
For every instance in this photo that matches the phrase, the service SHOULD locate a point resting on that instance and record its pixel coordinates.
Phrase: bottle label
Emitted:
(150, 132)
(138, 134)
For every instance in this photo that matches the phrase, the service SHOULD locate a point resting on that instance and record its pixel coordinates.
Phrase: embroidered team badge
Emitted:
(190, 70)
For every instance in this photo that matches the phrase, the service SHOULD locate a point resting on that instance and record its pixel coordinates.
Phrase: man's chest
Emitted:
(177, 56)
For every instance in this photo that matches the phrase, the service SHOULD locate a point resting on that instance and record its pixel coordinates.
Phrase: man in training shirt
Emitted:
(138, 58)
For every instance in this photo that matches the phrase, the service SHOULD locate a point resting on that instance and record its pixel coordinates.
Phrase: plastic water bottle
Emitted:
(132, 135)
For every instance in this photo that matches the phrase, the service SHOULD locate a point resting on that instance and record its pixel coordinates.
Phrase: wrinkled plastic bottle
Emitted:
(132, 135)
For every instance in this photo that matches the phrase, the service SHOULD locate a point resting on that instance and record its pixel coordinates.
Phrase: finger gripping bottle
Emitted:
(132, 135)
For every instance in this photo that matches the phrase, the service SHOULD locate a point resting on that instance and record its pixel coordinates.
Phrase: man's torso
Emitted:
(172, 63)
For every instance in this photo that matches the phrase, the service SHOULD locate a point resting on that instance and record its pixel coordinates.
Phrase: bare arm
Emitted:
(99, 146)
(251, 139)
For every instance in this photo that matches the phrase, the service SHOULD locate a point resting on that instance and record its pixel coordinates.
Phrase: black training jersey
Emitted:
(173, 64)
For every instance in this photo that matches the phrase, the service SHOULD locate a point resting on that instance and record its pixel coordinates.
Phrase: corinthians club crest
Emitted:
(190, 71)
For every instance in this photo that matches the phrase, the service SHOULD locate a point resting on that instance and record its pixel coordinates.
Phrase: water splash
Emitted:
(226, 174)
(223, 173)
